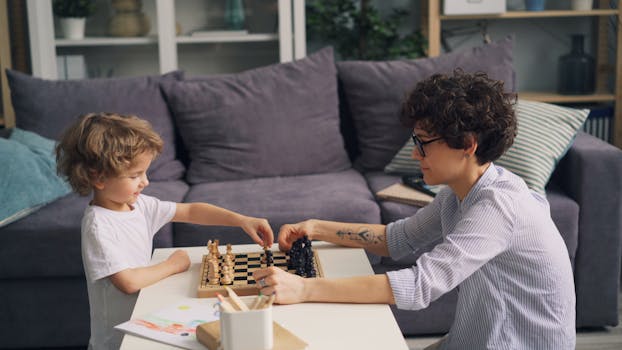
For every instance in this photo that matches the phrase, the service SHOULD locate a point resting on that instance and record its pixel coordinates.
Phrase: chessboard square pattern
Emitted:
(245, 264)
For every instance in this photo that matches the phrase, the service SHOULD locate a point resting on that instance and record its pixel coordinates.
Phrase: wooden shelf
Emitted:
(552, 97)
(533, 14)
(7, 114)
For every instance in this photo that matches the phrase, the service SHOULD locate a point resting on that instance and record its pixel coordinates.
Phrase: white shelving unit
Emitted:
(44, 45)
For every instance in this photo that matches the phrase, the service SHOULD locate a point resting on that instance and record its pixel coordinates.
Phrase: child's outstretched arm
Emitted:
(130, 281)
(206, 214)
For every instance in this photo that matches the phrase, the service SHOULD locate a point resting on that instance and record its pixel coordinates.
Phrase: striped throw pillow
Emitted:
(545, 132)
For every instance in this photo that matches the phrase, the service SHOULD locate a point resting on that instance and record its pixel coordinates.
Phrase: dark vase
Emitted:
(576, 70)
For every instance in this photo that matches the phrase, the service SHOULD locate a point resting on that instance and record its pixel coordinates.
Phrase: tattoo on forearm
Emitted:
(364, 235)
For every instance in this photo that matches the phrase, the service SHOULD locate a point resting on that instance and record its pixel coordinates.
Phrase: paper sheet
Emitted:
(175, 324)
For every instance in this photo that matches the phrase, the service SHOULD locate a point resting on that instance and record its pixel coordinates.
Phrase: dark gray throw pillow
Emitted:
(375, 91)
(278, 120)
(48, 107)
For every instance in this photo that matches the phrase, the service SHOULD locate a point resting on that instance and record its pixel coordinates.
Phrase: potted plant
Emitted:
(358, 30)
(72, 15)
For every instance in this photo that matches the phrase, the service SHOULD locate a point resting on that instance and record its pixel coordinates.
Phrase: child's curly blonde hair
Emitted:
(101, 145)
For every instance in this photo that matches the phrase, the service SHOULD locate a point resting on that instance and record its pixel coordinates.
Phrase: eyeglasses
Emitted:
(419, 144)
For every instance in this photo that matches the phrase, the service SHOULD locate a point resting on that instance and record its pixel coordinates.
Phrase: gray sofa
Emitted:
(307, 139)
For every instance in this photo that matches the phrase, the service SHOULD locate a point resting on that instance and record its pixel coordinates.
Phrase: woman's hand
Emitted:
(287, 288)
(289, 233)
(258, 230)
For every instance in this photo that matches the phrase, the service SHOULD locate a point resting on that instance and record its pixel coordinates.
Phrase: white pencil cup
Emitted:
(247, 330)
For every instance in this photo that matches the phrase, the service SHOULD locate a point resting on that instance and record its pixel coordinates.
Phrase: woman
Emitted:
(494, 237)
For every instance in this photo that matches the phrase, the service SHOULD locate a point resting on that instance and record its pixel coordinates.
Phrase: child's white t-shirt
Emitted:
(113, 241)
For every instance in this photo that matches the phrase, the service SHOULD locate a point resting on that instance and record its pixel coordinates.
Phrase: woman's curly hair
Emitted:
(454, 107)
(101, 145)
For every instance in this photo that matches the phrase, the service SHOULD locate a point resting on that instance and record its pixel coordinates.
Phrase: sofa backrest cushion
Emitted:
(278, 120)
(375, 90)
(48, 107)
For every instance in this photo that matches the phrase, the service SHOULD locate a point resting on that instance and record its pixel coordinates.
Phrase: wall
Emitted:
(538, 42)
(203, 58)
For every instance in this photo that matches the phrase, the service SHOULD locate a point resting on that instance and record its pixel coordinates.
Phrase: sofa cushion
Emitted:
(47, 242)
(564, 212)
(27, 153)
(374, 92)
(48, 107)
(545, 132)
(340, 196)
(279, 120)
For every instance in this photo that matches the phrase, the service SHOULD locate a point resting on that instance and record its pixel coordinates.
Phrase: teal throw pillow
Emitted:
(28, 179)
(545, 132)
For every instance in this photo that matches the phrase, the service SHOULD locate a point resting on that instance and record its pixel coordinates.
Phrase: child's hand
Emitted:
(179, 260)
(288, 288)
(289, 233)
(259, 230)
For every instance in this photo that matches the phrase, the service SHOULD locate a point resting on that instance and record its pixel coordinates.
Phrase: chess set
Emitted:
(235, 270)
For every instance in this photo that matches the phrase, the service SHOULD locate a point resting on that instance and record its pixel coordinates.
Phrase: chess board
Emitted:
(243, 281)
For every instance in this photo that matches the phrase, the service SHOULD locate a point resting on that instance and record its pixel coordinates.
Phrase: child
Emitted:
(490, 234)
(109, 154)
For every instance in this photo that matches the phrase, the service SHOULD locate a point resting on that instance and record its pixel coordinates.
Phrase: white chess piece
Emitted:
(226, 275)
(213, 272)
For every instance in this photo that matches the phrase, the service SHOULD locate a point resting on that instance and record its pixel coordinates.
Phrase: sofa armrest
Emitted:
(590, 174)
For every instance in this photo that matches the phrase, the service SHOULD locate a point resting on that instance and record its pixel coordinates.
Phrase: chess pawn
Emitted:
(213, 274)
(229, 252)
(226, 275)
(228, 260)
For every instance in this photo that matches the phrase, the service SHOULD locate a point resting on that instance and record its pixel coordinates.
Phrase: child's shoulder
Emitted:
(145, 198)
(146, 202)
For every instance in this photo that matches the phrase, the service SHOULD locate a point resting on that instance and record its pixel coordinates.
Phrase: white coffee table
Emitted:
(323, 326)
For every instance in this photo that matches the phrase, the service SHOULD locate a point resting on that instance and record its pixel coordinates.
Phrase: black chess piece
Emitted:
(294, 254)
(301, 258)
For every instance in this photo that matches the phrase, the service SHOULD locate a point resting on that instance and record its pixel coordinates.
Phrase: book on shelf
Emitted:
(71, 67)
(401, 193)
(218, 33)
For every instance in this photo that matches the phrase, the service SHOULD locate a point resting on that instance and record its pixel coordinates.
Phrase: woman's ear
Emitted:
(470, 145)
